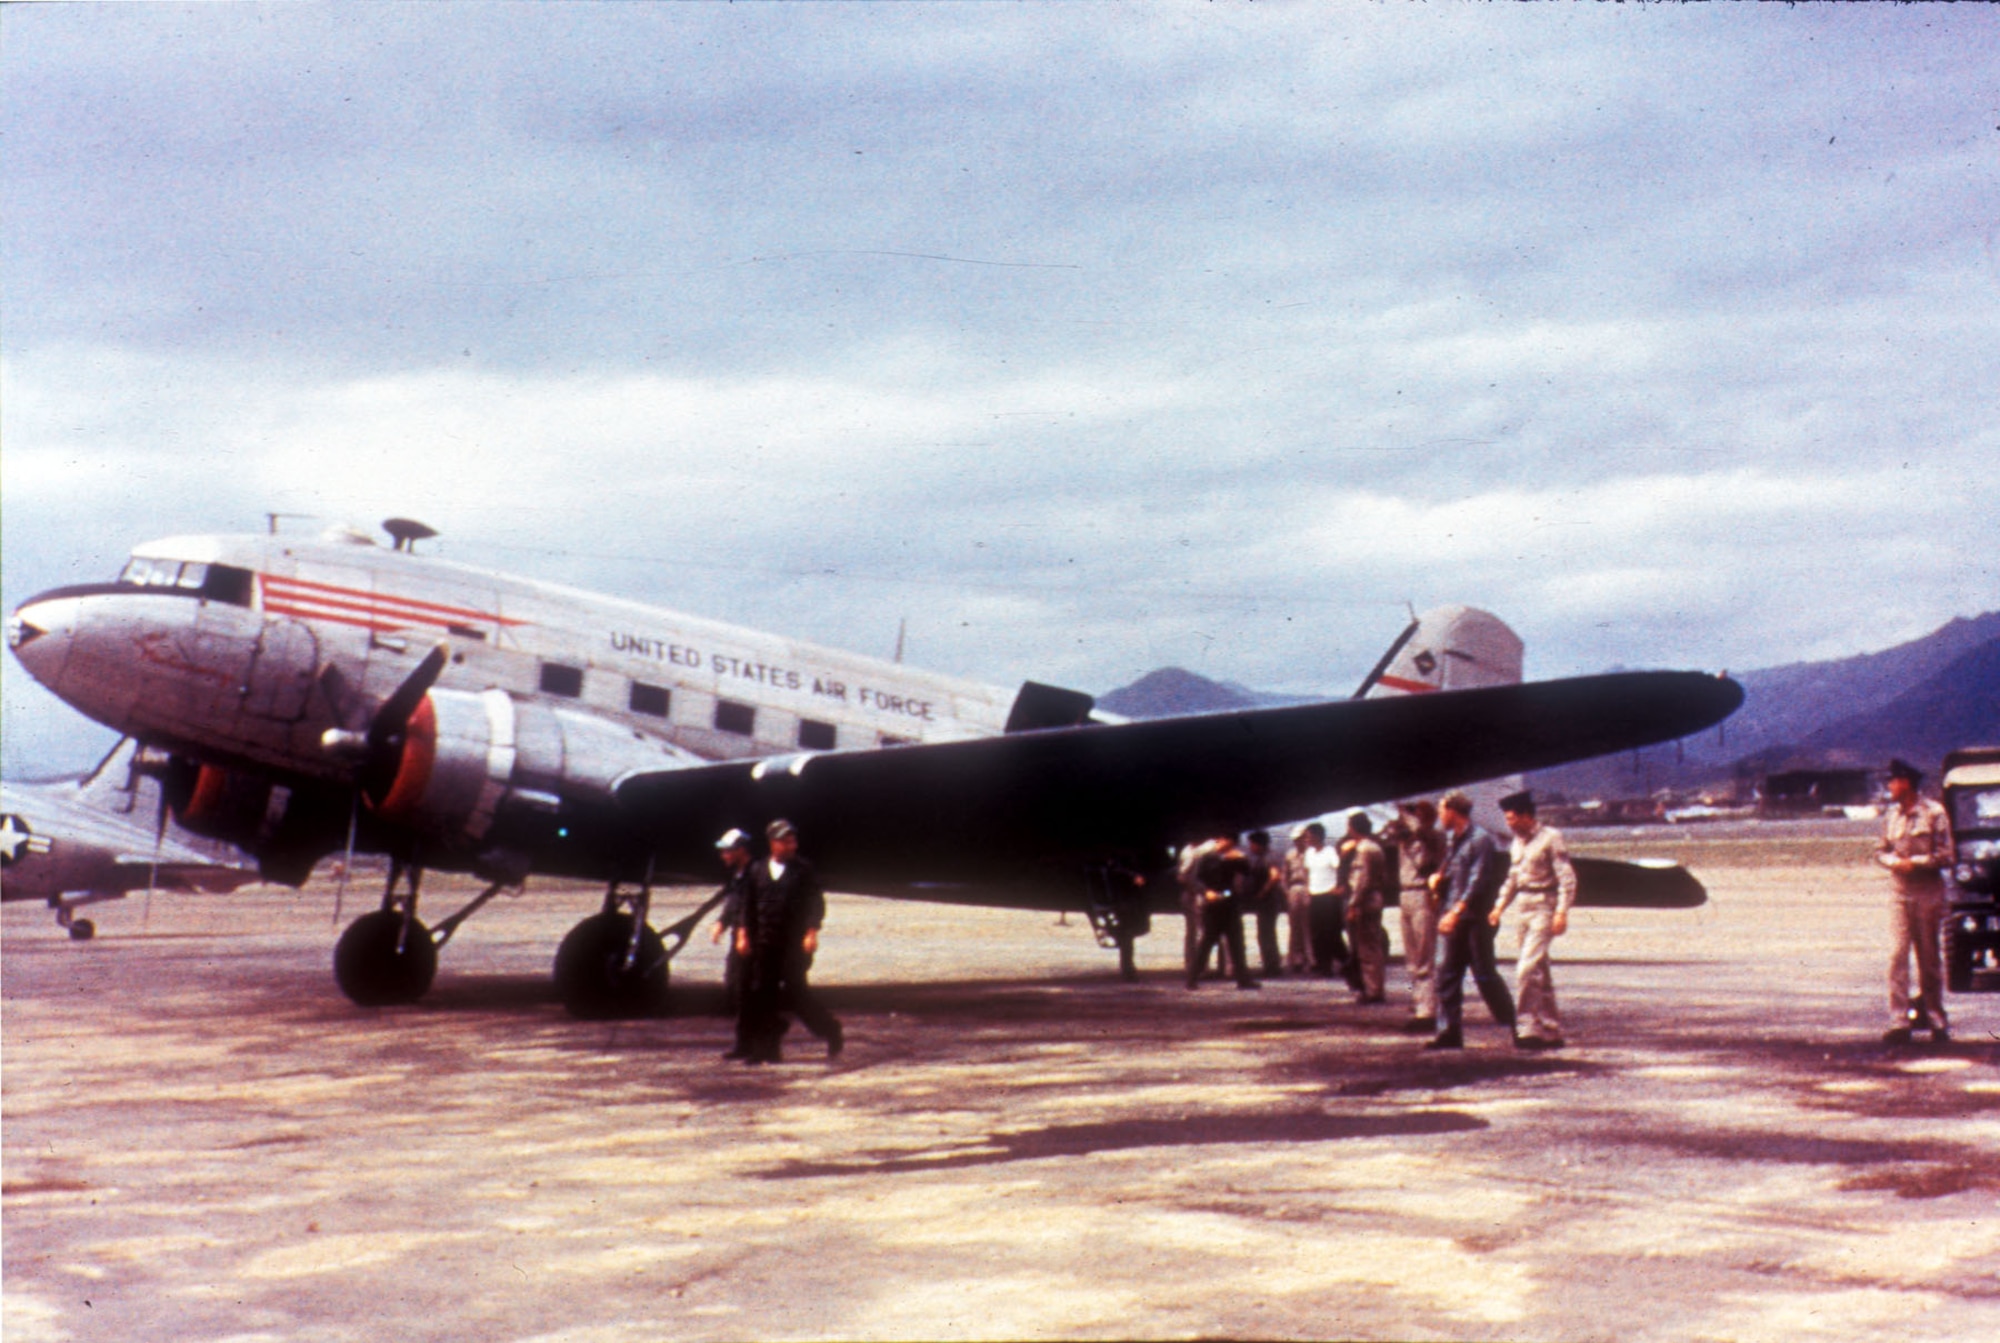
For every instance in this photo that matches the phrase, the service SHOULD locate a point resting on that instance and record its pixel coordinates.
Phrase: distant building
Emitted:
(1807, 792)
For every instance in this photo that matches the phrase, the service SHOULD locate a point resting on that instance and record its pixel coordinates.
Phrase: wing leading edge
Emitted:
(1018, 809)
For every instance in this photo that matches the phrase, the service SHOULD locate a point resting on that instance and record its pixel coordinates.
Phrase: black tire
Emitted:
(594, 980)
(373, 970)
(82, 930)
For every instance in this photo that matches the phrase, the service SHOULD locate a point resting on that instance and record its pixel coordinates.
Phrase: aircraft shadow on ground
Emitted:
(1074, 1140)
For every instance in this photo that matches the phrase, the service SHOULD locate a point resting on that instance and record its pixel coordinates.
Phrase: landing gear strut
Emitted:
(613, 964)
(387, 957)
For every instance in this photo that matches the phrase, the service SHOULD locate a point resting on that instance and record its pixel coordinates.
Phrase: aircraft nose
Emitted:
(40, 633)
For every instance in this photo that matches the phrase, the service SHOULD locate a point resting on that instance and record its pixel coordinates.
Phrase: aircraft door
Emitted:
(282, 671)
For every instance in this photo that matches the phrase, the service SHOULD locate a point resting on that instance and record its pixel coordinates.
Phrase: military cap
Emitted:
(733, 839)
(779, 829)
(1903, 769)
(1521, 803)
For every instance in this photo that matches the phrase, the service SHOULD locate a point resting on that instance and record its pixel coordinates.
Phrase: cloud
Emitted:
(1210, 337)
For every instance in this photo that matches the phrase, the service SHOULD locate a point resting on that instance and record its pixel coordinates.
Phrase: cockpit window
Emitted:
(142, 571)
(217, 582)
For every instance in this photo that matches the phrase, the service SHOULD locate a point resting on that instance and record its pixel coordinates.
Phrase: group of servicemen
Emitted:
(1449, 877)
(1452, 882)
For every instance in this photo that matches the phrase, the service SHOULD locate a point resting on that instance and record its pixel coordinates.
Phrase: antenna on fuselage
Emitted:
(271, 520)
(902, 628)
(407, 532)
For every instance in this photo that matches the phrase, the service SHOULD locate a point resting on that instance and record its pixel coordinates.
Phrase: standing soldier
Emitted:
(1541, 878)
(1227, 883)
(1266, 902)
(1419, 846)
(1916, 848)
(1471, 876)
(1194, 903)
(734, 851)
(779, 935)
(1298, 904)
(1367, 894)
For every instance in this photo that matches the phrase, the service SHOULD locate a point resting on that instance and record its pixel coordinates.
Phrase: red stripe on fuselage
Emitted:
(382, 606)
(1409, 687)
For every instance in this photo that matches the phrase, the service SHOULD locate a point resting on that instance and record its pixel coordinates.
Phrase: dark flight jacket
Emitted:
(780, 912)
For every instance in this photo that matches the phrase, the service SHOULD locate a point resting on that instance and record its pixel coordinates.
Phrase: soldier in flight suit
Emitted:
(779, 934)
(1541, 878)
(1916, 848)
(1473, 870)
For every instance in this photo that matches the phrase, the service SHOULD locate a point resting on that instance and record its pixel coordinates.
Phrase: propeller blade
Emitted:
(394, 715)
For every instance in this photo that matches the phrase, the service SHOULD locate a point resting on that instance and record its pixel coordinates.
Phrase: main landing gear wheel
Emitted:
(599, 976)
(376, 965)
(82, 930)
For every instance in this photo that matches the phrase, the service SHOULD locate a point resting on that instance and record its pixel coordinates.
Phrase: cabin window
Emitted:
(651, 700)
(558, 679)
(733, 717)
(816, 736)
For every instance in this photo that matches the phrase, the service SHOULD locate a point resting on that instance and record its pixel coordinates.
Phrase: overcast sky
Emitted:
(1088, 338)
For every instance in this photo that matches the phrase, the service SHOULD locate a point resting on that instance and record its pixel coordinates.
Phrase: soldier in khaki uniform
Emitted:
(1915, 848)
(1419, 847)
(1367, 893)
(1541, 879)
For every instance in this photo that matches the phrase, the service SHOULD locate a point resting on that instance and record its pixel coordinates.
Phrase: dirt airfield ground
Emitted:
(203, 1140)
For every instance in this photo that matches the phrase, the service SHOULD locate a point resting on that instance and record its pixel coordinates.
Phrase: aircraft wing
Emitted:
(1020, 809)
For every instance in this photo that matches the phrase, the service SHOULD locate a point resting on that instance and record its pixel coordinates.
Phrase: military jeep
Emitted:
(1972, 918)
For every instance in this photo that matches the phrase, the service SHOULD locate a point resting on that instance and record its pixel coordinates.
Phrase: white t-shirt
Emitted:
(1322, 870)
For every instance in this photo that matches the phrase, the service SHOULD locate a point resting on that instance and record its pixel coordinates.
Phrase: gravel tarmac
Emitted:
(204, 1140)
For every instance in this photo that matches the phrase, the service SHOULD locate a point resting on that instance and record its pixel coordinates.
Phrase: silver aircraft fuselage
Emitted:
(217, 646)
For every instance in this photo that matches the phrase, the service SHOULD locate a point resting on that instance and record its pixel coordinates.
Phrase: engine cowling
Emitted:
(287, 829)
(224, 804)
(475, 768)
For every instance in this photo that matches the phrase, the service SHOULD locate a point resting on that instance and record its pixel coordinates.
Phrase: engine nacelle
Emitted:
(219, 803)
(475, 766)
(287, 829)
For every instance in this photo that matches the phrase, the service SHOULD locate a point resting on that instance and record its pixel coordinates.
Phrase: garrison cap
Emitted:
(733, 839)
(779, 829)
(1522, 803)
(1903, 769)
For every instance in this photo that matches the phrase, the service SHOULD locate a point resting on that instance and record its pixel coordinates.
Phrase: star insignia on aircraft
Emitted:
(16, 836)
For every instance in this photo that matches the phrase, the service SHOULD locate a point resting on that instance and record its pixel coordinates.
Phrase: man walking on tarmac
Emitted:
(779, 935)
(1916, 848)
(1541, 878)
(1471, 876)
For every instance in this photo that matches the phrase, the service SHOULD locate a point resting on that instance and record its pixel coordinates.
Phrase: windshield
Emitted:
(1975, 809)
(219, 582)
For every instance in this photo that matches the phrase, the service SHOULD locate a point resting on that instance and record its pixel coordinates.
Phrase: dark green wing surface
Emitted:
(974, 820)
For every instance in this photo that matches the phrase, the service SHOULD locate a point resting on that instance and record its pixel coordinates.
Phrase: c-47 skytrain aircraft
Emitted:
(298, 697)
